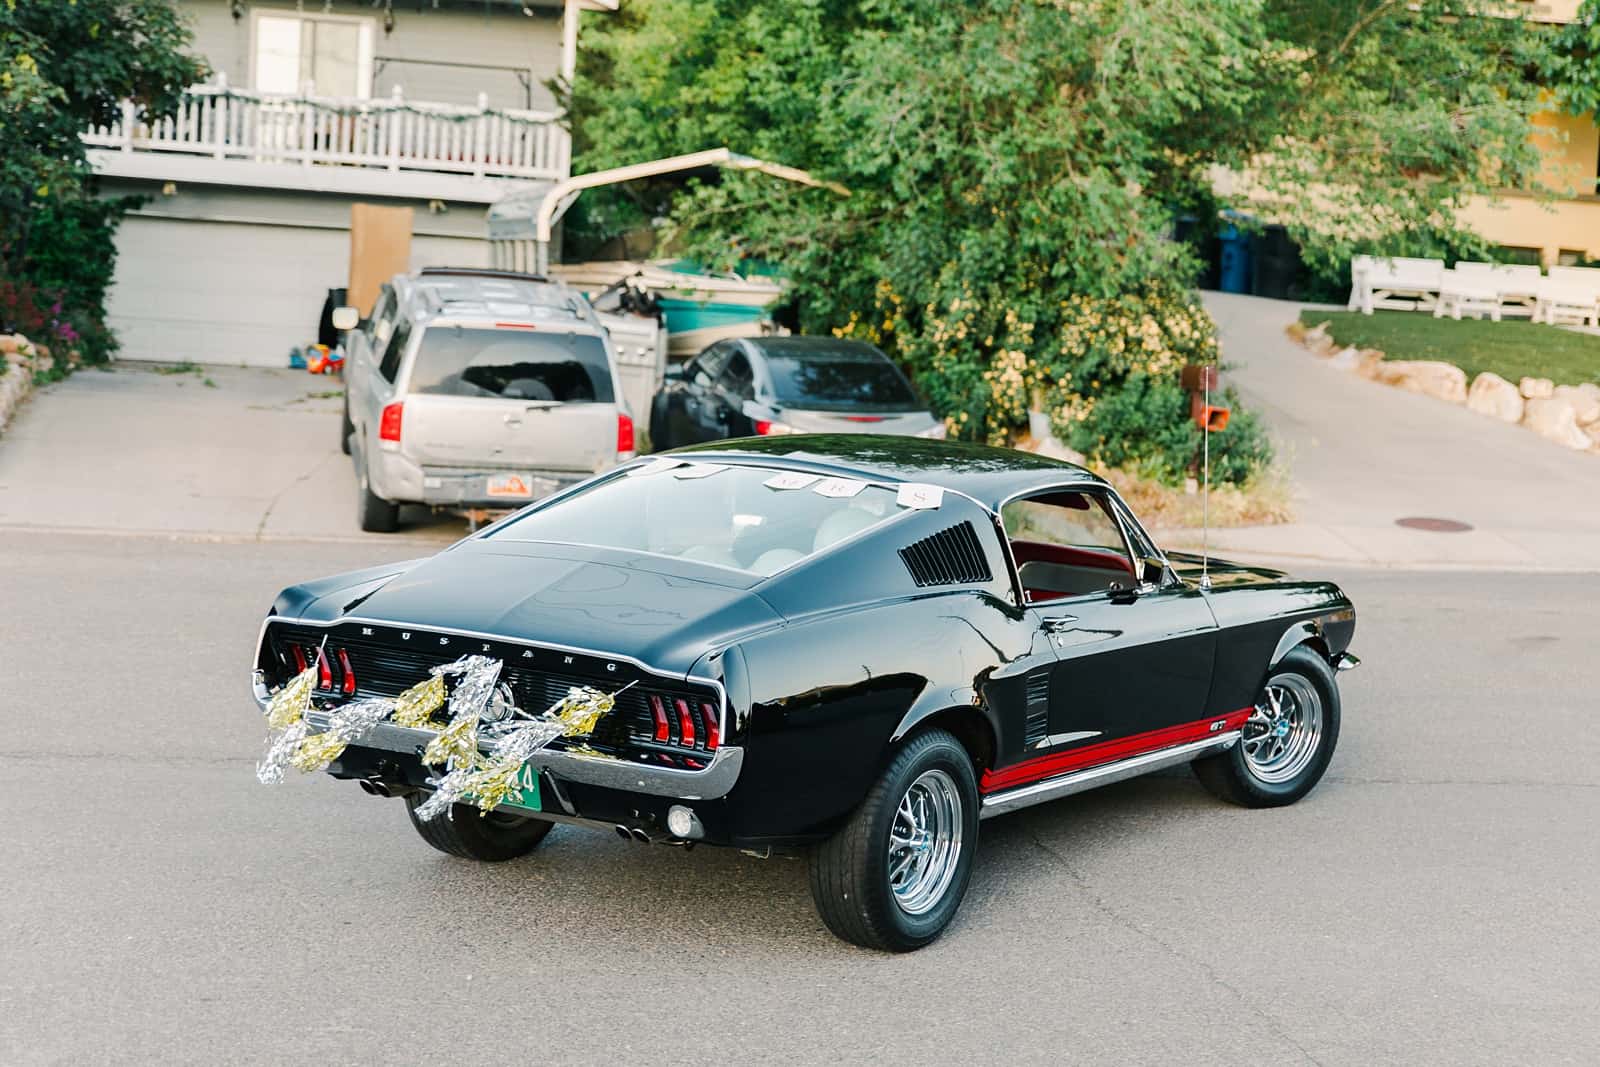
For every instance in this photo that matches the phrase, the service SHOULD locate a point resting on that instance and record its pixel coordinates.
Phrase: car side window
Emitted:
(708, 364)
(1067, 542)
(738, 378)
(382, 312)
(395, 349)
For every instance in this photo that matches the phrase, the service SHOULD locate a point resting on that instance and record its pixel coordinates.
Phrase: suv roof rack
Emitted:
(484, 272)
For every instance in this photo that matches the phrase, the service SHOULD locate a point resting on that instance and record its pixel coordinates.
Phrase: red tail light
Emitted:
(324, 671)
(389, 422)
(624, 435)
(708, 714)
(348, 685)
(863, 418)
(659, 711)
(763, 426)
(299, 658)
(685, 722)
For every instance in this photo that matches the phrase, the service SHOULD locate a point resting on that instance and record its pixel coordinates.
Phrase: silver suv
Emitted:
(477, 389)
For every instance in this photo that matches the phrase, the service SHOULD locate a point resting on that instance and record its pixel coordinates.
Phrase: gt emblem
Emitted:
(1219, 724)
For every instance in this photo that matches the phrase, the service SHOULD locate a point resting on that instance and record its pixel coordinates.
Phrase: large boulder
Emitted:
(1537, 388)
(1553, 418)
(1492, 395)
(1585, 401)
(1442, 381)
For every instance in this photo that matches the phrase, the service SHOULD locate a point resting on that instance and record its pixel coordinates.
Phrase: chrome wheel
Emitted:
(1284, 731)
(925, 842)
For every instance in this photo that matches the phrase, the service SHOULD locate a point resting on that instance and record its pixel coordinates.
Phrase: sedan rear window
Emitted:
(512, 364)
(752, 519)
(832, 381)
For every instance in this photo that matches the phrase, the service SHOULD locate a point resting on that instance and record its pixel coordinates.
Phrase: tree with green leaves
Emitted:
(65, 66)
(1016, 166)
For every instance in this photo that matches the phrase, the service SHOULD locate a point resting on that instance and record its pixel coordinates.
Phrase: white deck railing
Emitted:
(393, 134)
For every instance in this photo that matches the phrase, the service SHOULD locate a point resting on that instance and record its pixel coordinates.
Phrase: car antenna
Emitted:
(1205, 487)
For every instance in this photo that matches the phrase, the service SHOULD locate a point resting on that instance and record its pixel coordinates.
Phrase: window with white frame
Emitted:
(291, 51)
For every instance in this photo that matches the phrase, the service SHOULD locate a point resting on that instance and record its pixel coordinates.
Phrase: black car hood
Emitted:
(1223, 572)
(551, 594)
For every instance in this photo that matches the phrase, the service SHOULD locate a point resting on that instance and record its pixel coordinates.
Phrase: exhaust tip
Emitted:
(372, 788)
(640, 836)
(622, 832)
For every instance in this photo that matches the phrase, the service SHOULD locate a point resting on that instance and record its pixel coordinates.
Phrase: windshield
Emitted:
(512, 364)
(853, 378)
(752, 519)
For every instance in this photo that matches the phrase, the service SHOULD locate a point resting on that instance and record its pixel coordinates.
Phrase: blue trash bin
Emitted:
(1235, 261)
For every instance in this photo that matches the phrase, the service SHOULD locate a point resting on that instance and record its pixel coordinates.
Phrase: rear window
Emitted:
(568, 368)
(752, 519)
(841, 380)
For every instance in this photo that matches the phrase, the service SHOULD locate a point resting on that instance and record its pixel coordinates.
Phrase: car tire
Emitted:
(376, 514)
(1286, 745)
(489, 837)
(346, 427)
(864, 890)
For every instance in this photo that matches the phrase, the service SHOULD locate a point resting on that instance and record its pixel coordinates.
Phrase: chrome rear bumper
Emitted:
(716, 780)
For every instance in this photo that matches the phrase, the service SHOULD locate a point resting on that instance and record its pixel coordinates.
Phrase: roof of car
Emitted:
(819, 348)
(988, 475)
(463, 292)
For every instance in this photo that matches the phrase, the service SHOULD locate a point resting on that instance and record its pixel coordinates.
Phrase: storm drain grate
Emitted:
(1433, 525)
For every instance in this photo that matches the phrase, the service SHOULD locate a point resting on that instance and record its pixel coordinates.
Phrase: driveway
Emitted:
(1363, 455)
(222, 452)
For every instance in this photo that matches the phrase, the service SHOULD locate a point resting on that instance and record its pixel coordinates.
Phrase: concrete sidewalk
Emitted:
(252, 456)
(1362, 455)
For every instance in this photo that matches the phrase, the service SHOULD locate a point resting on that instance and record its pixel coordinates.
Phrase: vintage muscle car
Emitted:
(863, 645)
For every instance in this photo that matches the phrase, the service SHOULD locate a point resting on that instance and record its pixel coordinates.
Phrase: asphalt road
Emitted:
(1436, 900)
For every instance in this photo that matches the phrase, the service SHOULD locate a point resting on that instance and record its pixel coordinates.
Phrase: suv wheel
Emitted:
(376, 514)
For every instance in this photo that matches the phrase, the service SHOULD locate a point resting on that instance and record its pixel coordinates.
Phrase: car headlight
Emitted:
(936, 432)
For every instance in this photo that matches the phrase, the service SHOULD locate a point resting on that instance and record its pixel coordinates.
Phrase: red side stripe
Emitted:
(1042, 767)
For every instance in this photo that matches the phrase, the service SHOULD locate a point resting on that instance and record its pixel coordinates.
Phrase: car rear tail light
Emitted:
(348, 684)
(389, 422)
(299, 655)
(708, 714)
(324, 671)
(624, 436)
(685, 722)
(768, 428)
(659, 712)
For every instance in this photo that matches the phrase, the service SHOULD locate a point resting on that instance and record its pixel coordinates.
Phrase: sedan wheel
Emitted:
(1283, 733)
(925, 843)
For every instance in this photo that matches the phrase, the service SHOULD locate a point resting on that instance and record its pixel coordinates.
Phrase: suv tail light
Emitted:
(624, 436)
(389, 422)
(768, 428)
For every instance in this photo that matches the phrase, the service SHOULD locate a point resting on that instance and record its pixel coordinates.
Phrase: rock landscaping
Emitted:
(1568, 415)
(20, 361)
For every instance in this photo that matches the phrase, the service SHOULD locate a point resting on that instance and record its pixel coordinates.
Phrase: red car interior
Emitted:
(1105, 559)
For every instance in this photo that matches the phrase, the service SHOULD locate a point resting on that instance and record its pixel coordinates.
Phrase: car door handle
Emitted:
(1056, 623)
(511, 420)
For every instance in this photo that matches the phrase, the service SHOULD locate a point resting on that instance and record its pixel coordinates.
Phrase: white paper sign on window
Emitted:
(838, 487)
(790, 480)
(655, 466)
(919, 496)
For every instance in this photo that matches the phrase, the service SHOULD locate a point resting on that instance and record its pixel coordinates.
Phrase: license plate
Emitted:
(526, 796)
(521, 486)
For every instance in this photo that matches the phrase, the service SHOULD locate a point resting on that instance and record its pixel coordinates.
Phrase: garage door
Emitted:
(235, 293)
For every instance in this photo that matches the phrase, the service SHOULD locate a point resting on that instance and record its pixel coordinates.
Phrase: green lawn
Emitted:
(1512, 349)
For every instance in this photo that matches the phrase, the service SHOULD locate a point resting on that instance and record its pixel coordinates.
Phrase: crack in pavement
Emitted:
(1099, 904)
(267, 514)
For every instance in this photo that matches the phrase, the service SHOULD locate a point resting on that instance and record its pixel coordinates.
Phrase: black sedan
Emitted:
(765, 386)
(862, 645)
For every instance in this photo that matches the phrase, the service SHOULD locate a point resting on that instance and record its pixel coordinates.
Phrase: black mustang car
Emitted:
(861, 644)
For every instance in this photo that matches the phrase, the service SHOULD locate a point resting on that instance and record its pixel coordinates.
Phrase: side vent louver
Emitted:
(1038, 707)
(952, 556)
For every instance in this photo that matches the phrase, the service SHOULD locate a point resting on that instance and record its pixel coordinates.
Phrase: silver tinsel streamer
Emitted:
(284, 742)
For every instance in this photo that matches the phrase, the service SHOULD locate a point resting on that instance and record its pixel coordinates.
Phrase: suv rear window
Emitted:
(824, 379)
(568, 368)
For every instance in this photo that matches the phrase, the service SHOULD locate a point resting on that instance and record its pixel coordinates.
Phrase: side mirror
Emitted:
(346, 318)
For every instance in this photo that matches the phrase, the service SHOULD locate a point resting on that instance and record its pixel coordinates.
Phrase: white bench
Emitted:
(1397, 283)
(1517, 284)
(1562, 301)
(1472, 293)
